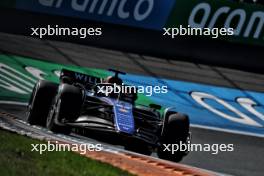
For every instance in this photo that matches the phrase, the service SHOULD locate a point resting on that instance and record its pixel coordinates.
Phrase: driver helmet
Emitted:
(113, 80)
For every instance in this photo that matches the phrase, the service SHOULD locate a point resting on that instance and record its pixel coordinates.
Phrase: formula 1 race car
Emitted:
(81, 101)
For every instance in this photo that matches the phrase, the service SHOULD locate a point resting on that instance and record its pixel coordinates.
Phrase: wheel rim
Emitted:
(51, 114)
(32, 100)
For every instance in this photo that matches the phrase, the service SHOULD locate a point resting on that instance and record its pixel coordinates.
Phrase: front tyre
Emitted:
(66, 107)
(40, 102)
(175, 132)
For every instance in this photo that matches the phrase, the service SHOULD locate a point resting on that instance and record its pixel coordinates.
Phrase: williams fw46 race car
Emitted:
(78, 103)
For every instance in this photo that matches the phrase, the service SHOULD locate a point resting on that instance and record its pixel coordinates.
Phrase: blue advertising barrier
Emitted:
(149, 14)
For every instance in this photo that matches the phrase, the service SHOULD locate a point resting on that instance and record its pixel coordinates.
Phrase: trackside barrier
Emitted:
(138, 27)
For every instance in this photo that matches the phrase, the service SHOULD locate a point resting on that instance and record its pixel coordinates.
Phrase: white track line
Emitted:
(227, 130)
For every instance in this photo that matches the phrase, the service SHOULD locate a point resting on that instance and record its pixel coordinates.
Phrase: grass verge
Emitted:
(16, 158)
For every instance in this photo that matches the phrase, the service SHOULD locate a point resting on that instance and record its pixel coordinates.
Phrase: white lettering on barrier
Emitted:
(219, 12)
(14, 80)
(11, 87)
(46, 2)
(242, 17)
(206, 8)
(256, 15)
(115, 5)
(249, 104)
(35, 72)
(79, 6)
(242, 118)
(140, 17)
(256, 19)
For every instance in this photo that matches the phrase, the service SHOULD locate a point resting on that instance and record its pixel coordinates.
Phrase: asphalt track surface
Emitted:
(247, 159)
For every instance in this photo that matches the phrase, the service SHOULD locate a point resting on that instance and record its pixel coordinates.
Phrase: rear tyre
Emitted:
(175, 131)
(65, 108)
(40, 102)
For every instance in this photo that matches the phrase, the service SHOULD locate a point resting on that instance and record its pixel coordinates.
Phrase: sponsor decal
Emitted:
(150, 14)
(230, 15)
(124, 119)
(86, 78)
(246, 20)
(240, 117)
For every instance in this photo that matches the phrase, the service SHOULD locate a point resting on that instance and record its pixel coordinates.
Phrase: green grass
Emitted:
(16, 158)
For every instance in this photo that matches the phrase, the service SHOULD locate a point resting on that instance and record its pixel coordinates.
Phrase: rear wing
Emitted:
(76, 77)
